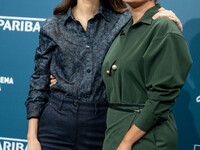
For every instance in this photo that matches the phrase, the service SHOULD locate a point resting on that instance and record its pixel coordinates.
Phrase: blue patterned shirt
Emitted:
(74, 57)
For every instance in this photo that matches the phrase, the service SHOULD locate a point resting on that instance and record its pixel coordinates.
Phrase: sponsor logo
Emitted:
(12, 144)
(6, 80)
(196, 147)
(198, 99)
(23, 24)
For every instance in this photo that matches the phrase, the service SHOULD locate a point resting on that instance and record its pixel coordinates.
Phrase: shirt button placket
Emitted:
(90, 60)
(89, 63)
(88, 68)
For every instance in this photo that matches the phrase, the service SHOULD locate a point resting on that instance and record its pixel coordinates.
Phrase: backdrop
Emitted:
(20, 23)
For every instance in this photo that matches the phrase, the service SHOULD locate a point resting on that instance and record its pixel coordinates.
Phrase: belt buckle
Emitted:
(138, 110)
(114, 106)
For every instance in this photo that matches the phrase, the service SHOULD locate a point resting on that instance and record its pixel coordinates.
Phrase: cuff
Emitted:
(146, 120)
(34, 110)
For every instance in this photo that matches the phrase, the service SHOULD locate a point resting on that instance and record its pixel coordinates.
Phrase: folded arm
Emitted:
(166, 64)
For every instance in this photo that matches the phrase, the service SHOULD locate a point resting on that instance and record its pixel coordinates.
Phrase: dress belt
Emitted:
(127, 108)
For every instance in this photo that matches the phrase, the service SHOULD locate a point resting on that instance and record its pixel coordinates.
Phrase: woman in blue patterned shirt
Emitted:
(71, 114)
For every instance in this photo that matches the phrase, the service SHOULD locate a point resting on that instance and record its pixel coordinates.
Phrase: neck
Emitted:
(86, 8)
(138, 11)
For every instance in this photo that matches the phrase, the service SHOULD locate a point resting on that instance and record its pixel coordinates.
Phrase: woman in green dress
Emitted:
(143, 79)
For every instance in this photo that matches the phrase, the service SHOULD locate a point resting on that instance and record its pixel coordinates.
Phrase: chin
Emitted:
(129, 1)
(136, 3)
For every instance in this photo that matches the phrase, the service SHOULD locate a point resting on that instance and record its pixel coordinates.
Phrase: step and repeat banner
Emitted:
(20, 23)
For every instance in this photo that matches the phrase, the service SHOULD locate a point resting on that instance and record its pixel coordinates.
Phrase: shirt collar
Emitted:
(103, 11)
(69, 15)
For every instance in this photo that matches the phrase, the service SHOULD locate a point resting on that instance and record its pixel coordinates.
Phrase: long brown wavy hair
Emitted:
(116, 5)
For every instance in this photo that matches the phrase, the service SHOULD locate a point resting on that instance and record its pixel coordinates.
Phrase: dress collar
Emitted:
(147, 17)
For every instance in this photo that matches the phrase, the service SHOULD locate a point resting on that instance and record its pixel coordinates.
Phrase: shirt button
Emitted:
(114, 67)
(87, 46)
(108, 72)
(75, 104)
(88, 71)
(86, 96)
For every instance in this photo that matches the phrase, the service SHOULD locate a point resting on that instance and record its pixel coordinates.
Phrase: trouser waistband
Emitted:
(77, 104)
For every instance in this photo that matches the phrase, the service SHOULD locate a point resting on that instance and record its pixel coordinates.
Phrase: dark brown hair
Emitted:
(116, 5)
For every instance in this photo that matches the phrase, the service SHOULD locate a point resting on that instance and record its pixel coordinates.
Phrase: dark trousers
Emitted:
(72, 125)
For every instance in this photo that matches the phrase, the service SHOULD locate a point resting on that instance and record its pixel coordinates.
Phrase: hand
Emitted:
(169, 14)
(52, 81)
(34, 144)
(124, 145)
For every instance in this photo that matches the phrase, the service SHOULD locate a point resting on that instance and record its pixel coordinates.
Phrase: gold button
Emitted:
(108, 72)
(114, 67)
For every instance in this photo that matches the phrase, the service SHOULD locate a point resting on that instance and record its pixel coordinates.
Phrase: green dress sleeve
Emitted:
(166, 64)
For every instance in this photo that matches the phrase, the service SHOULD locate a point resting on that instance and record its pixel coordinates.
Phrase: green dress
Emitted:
(147, 64)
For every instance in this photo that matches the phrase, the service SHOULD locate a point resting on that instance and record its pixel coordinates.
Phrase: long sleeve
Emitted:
(166, 64)
(39, 82)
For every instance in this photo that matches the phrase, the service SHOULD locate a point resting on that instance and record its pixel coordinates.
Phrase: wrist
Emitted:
(31, 137)
(127, 141)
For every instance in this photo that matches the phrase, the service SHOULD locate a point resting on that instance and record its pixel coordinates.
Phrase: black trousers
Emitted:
(72, 125)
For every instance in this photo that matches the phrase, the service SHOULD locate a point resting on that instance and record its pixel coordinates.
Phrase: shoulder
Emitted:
(124, 17)
(117, 16)
(119, 19)
(51, 23)
(163, 26)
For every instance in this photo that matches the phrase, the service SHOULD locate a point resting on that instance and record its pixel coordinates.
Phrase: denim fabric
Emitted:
(74, 57)
(72, 125)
